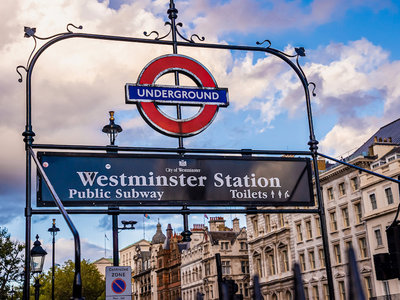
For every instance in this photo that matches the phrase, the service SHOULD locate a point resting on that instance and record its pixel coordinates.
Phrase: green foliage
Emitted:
(11, 262)
(93, 284)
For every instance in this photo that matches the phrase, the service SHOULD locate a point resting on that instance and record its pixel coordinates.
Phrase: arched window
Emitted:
(257, 264)
(284, 258)
(288, 295)
(270, 258)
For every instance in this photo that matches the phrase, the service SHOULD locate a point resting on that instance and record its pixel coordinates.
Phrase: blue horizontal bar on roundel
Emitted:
(176, 95)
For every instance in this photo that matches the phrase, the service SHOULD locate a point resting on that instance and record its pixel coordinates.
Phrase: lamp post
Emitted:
(53, 230)
(112, 131)
(37, 261)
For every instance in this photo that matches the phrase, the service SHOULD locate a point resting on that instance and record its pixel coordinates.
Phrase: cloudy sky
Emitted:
(352, 52)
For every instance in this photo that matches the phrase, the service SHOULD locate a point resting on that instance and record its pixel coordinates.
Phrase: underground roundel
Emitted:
(147, 95)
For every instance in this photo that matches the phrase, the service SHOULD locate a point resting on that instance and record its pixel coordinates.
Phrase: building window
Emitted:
(245, 266)
(288, 296)
(309, 229)
(267, 220)
(299, 233)
(224, 245)
(258, 266)
(342, 189)
(330, 193)
(338, 256)
(321, 255)
(318, 226)
(243, 246)
(226, 267)
(285, 260)
(270, 262)
(358, 212)
(307, 297)
(207, 269)
(368, 287)
(315, 292)
(302, 262)
(345, 216)
(281, 220)
(342, 292)
(362, 242)
(378, 236)
(372, 198)
(333, 221)
(354, 183)
(349, 244)
(389, 195)
(255, 226)
(326, 292)
(311, 258)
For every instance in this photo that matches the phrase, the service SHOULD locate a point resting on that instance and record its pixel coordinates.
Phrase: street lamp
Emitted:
(112, 129)
(53, 230)
(37, 261)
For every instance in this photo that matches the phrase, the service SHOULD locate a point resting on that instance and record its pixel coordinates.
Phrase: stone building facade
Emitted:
(198, 268)
(358, 207)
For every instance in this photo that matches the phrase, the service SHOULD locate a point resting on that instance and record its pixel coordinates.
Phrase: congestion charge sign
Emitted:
(146, 95)
(118, 283)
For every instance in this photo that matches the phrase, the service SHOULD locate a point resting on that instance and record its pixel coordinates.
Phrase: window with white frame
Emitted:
(330, 193)
(299, 232)
(342, 189)
(226, 267)
(372, 198)
(354, 183)
(345, 217)
(389, 195)
(358, 212)
(309, 229)
(333, 222)
(378, 236)
(338, 254)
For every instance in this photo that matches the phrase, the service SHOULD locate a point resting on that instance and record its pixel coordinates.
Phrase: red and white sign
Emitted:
(170, 125)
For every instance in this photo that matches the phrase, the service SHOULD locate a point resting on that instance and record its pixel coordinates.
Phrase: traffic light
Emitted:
(387, 265)
(230, 288)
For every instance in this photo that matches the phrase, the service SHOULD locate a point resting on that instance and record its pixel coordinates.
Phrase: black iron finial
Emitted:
(172, 11)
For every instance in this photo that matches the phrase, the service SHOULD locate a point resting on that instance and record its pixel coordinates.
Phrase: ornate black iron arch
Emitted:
(290, 59)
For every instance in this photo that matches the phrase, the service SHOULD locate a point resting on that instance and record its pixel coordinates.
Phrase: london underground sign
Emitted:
(146, 95)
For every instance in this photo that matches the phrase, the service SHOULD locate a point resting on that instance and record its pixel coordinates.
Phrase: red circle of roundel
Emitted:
(166, 124)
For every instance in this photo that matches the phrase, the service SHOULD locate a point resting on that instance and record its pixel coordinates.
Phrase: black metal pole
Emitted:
(219, 275)
(115, 238)
(37, 286)
(52, 267)
(77, 284)
(53, 230)
(186, 232)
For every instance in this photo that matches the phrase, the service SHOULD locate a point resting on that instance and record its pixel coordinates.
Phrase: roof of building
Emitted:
(391, 152)
(103, 260)
(134, 244)
(391, 130)
(158, 237)
(216, 236)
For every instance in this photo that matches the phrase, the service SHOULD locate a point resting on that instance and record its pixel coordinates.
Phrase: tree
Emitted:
(93, 284)
(11, 262)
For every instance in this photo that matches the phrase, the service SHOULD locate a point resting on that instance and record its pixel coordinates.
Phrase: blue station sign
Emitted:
(176, 95)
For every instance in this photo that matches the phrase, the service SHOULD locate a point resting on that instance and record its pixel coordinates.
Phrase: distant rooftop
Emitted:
(391, 130)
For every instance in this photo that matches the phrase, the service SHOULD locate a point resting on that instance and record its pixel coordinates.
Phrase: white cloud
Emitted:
(342, 140)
